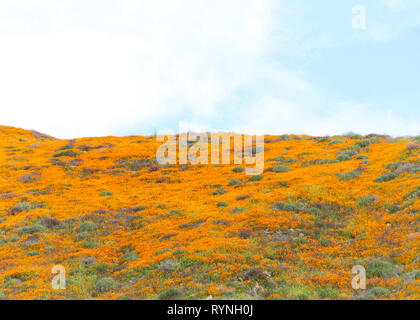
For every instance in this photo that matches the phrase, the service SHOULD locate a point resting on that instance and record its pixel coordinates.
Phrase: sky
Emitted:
(123, 67)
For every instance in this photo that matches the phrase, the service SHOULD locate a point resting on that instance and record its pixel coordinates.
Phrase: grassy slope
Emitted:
(126, 228)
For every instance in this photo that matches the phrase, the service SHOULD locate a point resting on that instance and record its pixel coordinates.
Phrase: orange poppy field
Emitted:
(126, 227)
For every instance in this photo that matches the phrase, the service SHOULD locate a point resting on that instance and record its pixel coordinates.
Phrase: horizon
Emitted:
(344, 134)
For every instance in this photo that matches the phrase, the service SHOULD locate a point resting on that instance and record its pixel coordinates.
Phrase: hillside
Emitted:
(127, 228)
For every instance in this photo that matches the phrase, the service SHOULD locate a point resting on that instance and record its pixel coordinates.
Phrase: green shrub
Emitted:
(130, 256)
(134, 164)
(324, 242)
(102, 268)
(238, 210)
(351, 151)
(374, 293)
(328, 293)
(89, 244)
(379, 291)
(68, 153)
(394, 208)
(393, 166)
(222, 204)
(279, 159)
(349, 175)
(386, 177)
(413, 194)
(133, 209)
(106, 194)
(178, 252)
(366, 200)
(106, 284)
(238, 169)
(413, 275)
(327, 161)
(318, 162)
(33, 253)
(235, 182)
(82, 236)
(314, 211)
(171, 294)
(256, 178)
(282, 206)
(337, 141)
(380, 269)
(14, 238)
(29, 178)
(282, 184)
(300, 240)
(168, 265)
(362, 157)
(366, 143)
(255, 274)
(281, 168)
(352, 135)
(298, 292)
(31, 230)
(291, 160)
(22, 206)
(322, 139)
(219, 192)
(343, 157)
(22, 276)
(88, 226)
(66, 147)
(25, 206)
(172, 213)
(367, 296)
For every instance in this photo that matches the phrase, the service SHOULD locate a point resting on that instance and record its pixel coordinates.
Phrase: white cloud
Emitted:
(83, 71)
(274, 116)
(396, 5)
(381, 33)
(395, 18)
(89, 68)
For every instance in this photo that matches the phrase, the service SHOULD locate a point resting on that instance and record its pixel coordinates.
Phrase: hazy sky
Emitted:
(88, 68)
